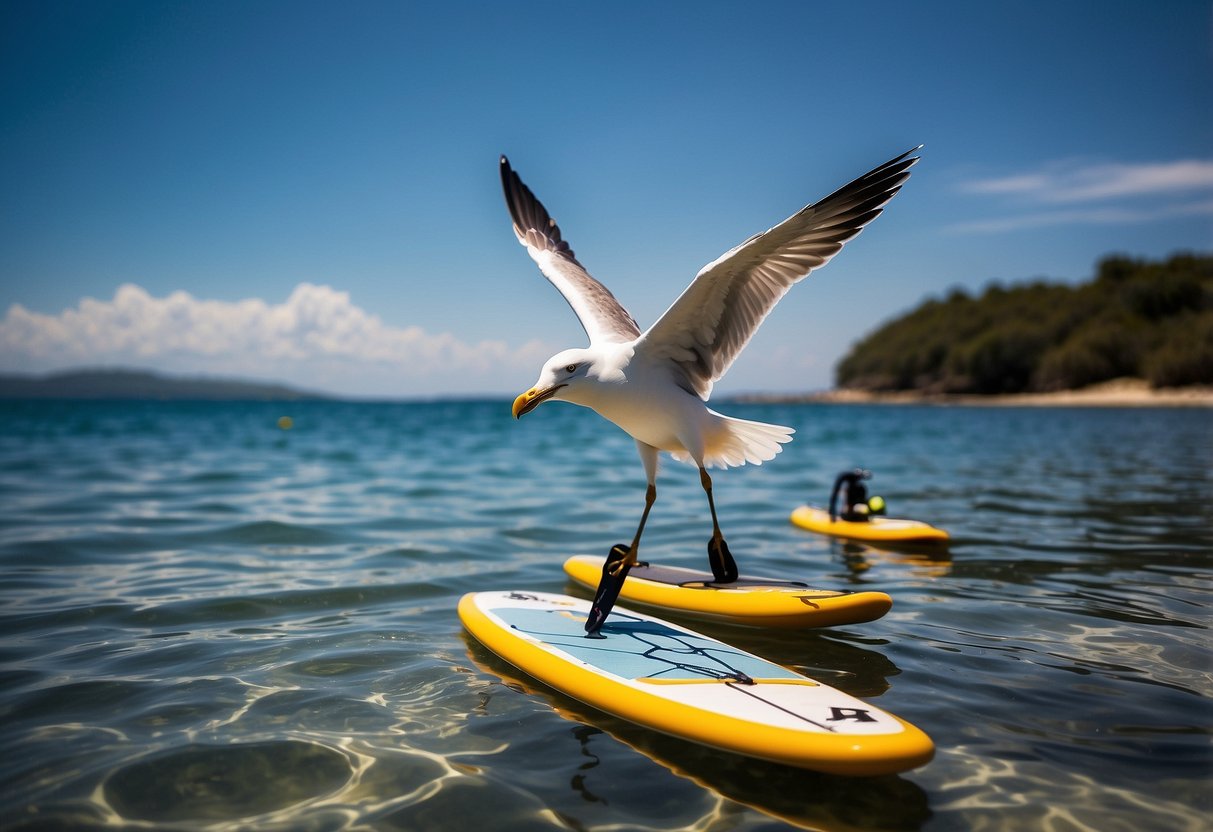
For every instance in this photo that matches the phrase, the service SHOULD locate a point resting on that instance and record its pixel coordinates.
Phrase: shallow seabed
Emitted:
(207, 622)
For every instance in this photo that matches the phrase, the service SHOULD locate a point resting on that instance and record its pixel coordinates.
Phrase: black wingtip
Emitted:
(908, 156)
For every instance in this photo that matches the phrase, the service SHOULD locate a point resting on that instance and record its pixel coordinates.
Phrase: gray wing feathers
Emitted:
(710, 323)
(602, 317)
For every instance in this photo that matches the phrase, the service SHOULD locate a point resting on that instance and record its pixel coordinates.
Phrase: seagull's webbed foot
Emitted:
(619, 562)
(724, 568)
(618, 565)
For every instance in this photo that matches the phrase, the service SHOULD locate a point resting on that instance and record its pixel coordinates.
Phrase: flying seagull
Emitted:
(655, 384)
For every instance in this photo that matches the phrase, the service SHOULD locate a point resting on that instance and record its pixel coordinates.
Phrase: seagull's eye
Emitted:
(571, 368)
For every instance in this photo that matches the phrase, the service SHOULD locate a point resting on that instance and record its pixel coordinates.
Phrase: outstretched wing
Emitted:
(710, 323)
(602, 317)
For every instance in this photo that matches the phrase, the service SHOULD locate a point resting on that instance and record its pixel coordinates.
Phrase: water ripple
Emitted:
(211, 623)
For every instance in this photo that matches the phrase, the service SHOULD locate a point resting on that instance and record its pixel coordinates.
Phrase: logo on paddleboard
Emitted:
(855, 714)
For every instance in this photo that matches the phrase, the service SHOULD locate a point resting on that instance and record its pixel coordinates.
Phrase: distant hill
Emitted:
(140, 384)
(1135, 318)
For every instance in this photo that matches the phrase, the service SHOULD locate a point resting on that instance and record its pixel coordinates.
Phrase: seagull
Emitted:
(655, 384)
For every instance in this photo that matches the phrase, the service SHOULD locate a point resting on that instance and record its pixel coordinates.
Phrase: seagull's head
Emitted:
(564, 376)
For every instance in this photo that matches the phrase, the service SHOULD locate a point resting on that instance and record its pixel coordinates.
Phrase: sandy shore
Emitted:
(1125, 392)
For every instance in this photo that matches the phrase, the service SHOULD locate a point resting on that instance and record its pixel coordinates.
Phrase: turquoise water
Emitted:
(207, 622)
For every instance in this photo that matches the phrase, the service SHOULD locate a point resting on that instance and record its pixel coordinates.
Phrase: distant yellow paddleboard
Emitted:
(877, 528)
(750, 601)
(685, 684)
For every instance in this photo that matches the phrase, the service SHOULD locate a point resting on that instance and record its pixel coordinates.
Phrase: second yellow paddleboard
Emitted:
(756, 602)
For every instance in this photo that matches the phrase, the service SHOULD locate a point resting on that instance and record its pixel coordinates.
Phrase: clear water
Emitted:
(207, 622)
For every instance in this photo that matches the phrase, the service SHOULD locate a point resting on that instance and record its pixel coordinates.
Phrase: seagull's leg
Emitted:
(628, 553)
(724, 568)
(621, 558)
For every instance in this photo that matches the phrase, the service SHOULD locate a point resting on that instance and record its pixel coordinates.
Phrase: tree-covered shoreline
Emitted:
(1135, 318)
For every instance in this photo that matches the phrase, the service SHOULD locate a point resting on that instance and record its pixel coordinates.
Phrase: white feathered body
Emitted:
(642, 397)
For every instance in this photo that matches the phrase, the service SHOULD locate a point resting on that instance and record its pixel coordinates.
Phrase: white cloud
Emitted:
(1095, 215)
(317, 339)
(1076, 182)
(1094, 193)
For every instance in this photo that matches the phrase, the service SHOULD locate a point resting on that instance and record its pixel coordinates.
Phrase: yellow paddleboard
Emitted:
(751, 601)
(682, 683)
(876, 528)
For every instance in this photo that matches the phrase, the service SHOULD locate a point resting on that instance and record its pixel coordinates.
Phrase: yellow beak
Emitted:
(531, 399)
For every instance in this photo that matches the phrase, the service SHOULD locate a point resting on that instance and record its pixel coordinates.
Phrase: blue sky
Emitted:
(309, 192)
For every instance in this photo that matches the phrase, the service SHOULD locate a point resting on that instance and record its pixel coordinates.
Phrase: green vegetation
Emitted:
(1151, 320)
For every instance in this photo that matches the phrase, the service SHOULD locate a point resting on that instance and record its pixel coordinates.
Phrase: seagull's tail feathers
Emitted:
(735, 442)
